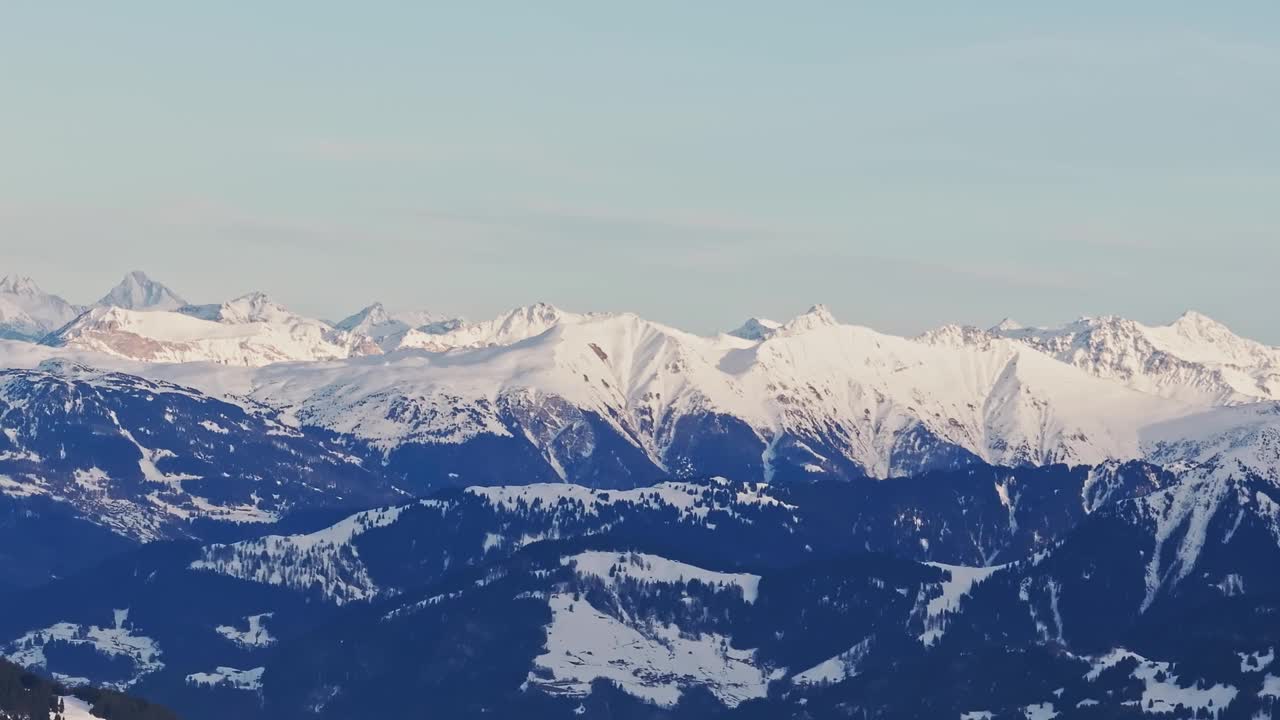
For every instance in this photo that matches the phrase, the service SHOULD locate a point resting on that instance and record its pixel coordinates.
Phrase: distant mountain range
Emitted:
(614, 399)
(232, 508)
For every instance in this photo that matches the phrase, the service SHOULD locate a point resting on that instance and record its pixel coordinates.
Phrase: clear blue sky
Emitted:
(908, 164)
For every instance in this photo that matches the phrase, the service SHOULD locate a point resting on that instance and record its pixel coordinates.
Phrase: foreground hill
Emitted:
(705, 597)
(27, 696)
(92, 462)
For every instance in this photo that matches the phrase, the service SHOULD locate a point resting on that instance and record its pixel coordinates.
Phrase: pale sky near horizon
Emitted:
(907, 164)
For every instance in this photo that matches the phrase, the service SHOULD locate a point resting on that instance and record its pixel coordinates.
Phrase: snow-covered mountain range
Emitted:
(240, 510)
(815, 397)
(250, 330)
(1194, 358)
(613, 398)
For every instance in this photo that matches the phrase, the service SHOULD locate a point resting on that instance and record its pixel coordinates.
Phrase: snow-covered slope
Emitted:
(1210, 537)
(889, 398)
(324, 560)
(142, 458)
(250, 330)
(653, 661)
(1221, 440)
(139, 292)
(1194, 358)
(815, 395)
(29, 313)
(611, 568)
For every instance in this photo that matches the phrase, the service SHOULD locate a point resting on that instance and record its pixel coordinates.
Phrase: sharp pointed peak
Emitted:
(373, 309)
(137, 291)
(373, 314)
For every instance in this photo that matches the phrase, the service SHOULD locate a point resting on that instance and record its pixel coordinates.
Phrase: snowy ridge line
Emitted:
(835, 669)
(1194, 358)
(811, 376)
(691, 499)
(816, 396)
(324, 560)
(610, 567)
(327, 561)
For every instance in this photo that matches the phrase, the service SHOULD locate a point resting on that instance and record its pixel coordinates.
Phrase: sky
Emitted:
(907, 164)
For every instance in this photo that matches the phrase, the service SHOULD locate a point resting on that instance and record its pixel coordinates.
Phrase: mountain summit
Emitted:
(815, 317)
(139, 292)
(29, 313)
(374, 315)
(19, 285)
(756, 328)
(386, 328)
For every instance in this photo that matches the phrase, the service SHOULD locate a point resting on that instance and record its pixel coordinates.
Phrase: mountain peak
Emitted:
(371, 315)
(756, 328)
(820, 310)
(1198, 327)
(29, 313)
(256, 306)
(538, 314)
(19, 285)
(254, 296)
(139, 292)
(815, 317)
(1008, 325)
(1197, 320)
